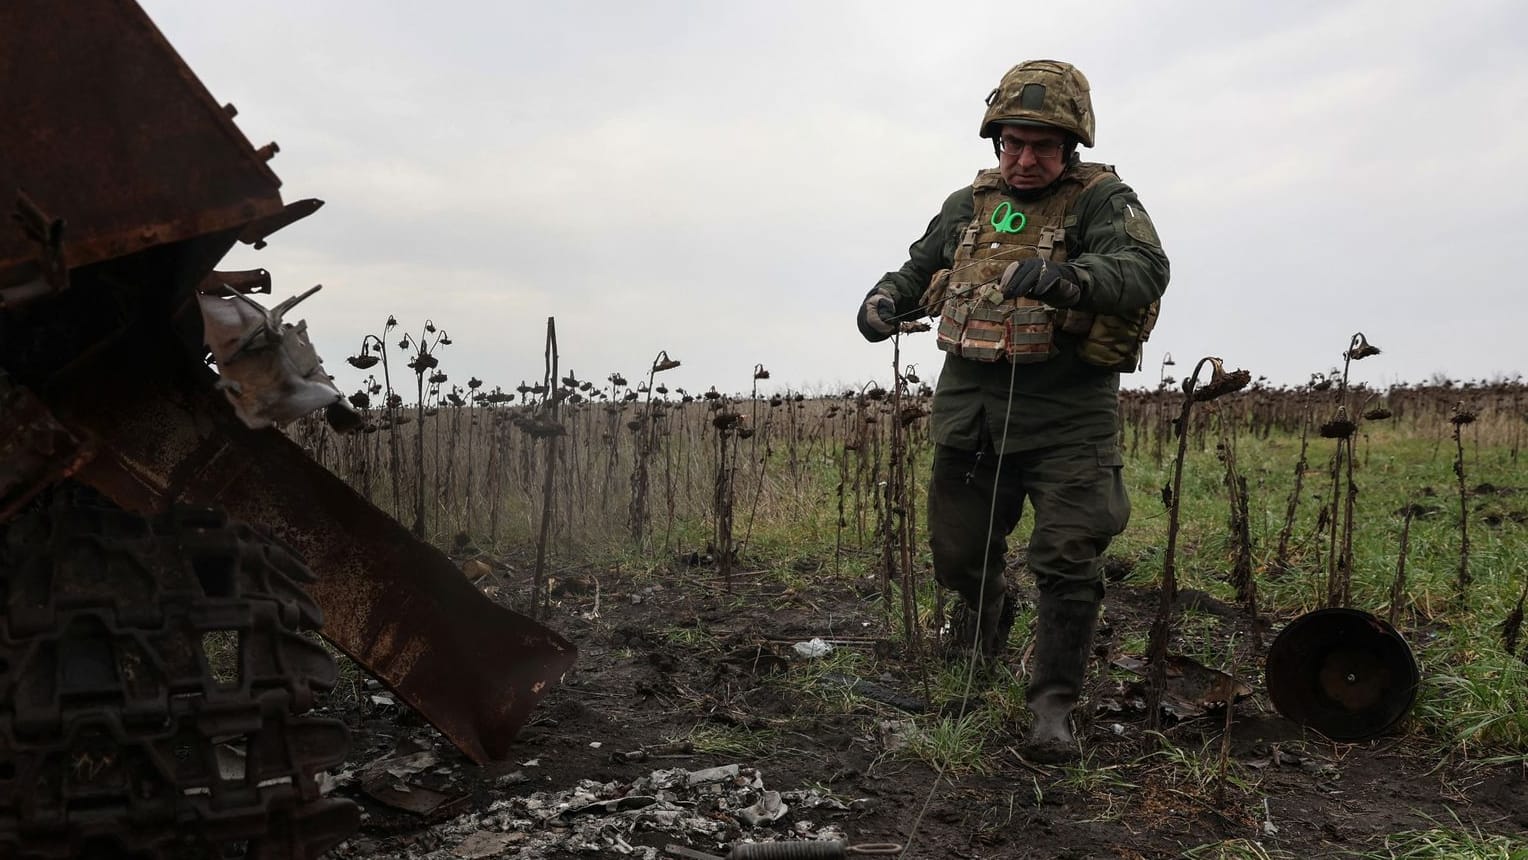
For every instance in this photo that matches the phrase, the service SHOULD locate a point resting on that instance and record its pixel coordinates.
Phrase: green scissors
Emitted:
(1004, 216)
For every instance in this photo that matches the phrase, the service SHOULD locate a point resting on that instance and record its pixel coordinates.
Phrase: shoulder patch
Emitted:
(1138, 226)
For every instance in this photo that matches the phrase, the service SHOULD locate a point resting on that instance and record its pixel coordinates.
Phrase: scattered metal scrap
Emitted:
(709, 808)
(389, 781)
(817, 850)
(1192, 687)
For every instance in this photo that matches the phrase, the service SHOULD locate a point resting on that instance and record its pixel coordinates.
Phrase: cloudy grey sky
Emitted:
(725, 181)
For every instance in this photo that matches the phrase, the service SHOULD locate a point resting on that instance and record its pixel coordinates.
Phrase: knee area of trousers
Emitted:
(954, 555)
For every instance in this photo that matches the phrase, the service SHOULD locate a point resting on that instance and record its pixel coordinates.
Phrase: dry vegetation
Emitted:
(1407, 502)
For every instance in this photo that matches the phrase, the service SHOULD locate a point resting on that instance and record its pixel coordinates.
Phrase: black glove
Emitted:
(1056, 284)
(877, 316)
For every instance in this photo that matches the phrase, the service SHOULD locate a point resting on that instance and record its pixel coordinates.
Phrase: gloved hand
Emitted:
(1056, 284)
(877, 316)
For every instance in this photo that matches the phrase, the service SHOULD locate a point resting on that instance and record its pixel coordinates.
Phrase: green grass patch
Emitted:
(1448, 843)
(729, 741)
(1474, 697)
(950, 744)
(1237, 849)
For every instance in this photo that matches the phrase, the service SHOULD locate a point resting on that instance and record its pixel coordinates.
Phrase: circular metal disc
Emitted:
(1342, 672)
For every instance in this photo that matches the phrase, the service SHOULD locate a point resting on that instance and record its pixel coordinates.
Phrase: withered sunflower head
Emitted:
(663, 362)
(1340, 427)
(912, 413)
(1221, 383)
(1361, 348)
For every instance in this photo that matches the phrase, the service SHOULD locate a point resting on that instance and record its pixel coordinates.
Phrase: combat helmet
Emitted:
(1042, 93)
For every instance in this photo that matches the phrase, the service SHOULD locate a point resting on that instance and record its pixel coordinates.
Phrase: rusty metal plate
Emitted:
(1193, 689)
(396, 605)
(105, 127)
(35, 450)
(1342, 672)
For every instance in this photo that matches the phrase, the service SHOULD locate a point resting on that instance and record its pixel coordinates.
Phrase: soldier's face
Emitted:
(1030, 158)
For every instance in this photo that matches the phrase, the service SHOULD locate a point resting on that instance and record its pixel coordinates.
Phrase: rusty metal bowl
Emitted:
(1343, 672)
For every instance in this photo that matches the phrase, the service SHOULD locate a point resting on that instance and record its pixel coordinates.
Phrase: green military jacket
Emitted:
(1023, 407)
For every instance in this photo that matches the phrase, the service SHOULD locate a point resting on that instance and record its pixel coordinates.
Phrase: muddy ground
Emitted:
(679, 657)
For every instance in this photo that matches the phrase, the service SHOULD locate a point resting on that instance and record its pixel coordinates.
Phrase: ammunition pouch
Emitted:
(1114, 342)
(978, 324)
(933, 297)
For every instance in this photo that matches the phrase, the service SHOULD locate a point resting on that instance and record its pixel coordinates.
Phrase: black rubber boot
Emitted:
(1063, 640)
(996, 623)
(987, 629)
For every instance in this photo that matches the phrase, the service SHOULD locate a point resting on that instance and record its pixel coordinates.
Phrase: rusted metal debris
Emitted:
(1192, 687)
(404, 795)
(246, 282)
(396, 605)
(189, 626)
(256, 232)
(139, 212)
(109, 131)
(1343, 672)
(35, 449)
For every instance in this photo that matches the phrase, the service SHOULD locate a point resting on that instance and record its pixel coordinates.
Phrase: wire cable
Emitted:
(971, 661)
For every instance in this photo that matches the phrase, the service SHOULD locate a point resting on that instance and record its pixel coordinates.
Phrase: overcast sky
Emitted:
(725, 181)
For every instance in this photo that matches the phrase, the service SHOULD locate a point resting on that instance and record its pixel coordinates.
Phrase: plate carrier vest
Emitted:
(977, 323)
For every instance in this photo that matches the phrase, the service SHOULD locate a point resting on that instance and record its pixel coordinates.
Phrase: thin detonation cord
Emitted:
(965, 696)
(920, 311)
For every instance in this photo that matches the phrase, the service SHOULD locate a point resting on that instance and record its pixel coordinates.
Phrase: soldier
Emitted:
(1045, 273)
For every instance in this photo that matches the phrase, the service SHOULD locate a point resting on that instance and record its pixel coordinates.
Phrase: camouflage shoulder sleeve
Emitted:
(1119, 253)
(933, 251)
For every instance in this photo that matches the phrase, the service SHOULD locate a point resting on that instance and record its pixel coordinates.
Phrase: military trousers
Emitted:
(974, 502)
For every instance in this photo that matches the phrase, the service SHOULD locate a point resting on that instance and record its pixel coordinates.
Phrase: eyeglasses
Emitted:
(1039, 148)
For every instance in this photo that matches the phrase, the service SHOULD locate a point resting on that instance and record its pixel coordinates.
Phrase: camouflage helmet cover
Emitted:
(1042, 92)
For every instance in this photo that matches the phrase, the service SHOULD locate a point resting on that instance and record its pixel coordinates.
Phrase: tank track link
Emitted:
(154, 674)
